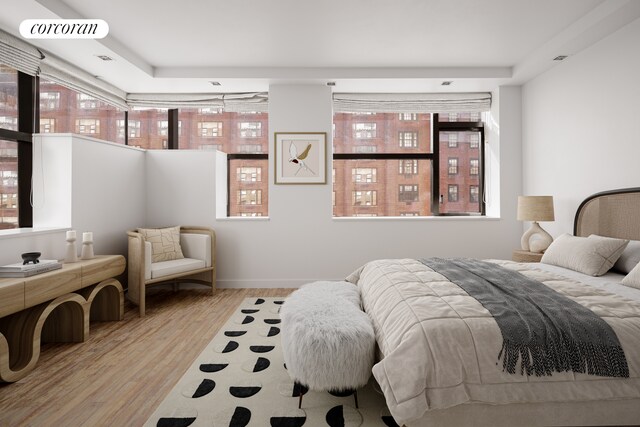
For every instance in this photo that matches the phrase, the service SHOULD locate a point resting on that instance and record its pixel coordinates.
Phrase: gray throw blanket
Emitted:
(545, 330)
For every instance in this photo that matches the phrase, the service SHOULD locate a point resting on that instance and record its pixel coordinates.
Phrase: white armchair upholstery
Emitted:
(198, 265)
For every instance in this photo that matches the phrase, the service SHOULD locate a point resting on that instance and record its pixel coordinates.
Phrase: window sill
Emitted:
(243, 218)
(24, 232)
(417, 218)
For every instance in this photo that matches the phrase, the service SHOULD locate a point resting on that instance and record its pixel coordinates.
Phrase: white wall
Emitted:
(301, 241)
(580, 132)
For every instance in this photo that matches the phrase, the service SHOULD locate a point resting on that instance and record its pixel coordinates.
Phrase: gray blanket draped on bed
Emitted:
(547, 331)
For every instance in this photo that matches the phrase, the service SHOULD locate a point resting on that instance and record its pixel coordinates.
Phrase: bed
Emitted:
(438, 346)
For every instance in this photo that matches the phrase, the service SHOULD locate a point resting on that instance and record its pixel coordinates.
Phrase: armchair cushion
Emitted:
(165, 243)
(196, 246)
(167, 268)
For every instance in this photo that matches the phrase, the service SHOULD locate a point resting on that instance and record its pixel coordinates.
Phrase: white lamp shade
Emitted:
(535, 208)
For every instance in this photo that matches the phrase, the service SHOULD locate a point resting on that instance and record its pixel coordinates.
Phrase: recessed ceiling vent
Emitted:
(105, 57)
(446, 83)
(560, 57)
(215, 83)
(331, 83)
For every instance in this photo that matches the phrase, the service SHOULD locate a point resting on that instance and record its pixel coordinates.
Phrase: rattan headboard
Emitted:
(613, 213)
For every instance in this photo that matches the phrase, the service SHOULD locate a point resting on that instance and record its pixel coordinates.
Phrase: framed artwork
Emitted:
(301, 158)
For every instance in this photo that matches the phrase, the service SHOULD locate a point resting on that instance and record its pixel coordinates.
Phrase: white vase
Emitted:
(72, 251)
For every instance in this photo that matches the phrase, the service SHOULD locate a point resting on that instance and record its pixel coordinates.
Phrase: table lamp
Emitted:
(535, 208)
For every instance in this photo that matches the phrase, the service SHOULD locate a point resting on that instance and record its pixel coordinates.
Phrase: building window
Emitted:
(453, 192)
(249, 197)
(364, 149)
(250, 129)
(250, 214)
(453, 140)
(407, 116)
(453, 166)
(408, 139)
(209, 110)
(210, 129)
(474, 117)
(49, 100)
(474, 166)
(365, 198)
(408, 193)
(249, 174)
(119, 128)
(453, 117)
(163, 127)
(408, 167)
(474, 140)
(9, 122)
(210, 147)
(473, 194)
(364, 175)
(86, 102)
(88, 126)
(47, 125)
(134, 128)
(409, 213)
(364, 130)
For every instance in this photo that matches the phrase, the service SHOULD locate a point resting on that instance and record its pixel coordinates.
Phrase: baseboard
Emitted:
(267, 283)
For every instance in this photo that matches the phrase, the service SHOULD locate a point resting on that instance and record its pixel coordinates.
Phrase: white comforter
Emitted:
(439, 346)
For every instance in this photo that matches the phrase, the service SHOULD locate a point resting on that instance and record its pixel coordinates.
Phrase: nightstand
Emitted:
(525, 256)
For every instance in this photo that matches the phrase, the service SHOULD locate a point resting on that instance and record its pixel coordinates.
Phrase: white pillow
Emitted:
(633, 278)
(593, 255)
(629, 258)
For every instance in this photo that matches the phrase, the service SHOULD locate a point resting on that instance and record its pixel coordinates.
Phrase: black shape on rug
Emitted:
(235, 333)
(205, 387)
(247, 319)
(231, 345)
(249, 311)
(261, 364)
(335, 417)
(288, 421)
(272, 321)
(341, 393)
(213, 367)
(259, 301)
(175, 422)
(299, 388)
(278, 302)
(273, 331)
(242, 391)
(261, 348)
(389, 421)
(241, 417)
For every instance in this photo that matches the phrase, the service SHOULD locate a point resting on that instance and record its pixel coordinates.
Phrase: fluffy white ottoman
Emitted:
(328, 342)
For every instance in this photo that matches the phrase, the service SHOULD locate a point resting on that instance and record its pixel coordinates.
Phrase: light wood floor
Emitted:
(125, 369)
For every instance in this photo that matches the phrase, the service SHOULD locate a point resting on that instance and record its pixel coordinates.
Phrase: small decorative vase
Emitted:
(87, 245)
(72, 251)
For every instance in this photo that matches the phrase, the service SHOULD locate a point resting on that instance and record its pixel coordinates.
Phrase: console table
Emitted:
(56, 307)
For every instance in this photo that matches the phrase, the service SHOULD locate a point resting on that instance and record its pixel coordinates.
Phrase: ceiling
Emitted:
(362, 45)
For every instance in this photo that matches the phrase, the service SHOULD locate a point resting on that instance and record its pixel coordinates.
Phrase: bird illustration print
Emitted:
(299, 159)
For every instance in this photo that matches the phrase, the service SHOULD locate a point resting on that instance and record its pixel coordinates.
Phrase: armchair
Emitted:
(198, 265)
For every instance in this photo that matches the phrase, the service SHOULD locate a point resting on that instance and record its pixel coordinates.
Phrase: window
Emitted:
(47, 125)
(452, 138)
(474, 194)
(409, 213)
(453, 165)
(407, 116)
(86, 102)
(49, 100)
(210, 147)
(474, 166)
(365, 198)
(408, 193)
(9, 184)
(453, 193)
(134, 128)
(408, 139)
(249, 197)
(8, 122)
(88, 126)
(62, 108)
(474, 140)
(249, 174)
(408, 167)
(163, 127)
(364, 175)
(250, 129)
(365, 149)
(250, 214)
(210, 129)
(364, 130)
(8, 98)
(209, 110)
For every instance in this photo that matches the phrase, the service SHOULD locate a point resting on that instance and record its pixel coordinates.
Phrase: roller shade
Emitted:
(19, 55)
(411, 102)
(236, 102)
(66, 74)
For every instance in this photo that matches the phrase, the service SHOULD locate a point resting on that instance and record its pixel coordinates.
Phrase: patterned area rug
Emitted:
(240, 379)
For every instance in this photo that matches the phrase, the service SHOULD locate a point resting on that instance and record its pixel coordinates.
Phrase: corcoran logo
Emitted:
(64, 28)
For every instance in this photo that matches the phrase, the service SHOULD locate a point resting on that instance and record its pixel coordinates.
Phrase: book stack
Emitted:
(27, 270)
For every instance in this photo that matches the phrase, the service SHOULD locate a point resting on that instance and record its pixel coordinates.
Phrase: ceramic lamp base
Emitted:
(535, 239)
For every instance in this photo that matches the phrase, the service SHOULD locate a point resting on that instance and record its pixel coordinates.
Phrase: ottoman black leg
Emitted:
(355, 396)
(300, 401)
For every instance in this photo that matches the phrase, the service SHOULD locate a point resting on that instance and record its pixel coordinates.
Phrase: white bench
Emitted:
(328, 342)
